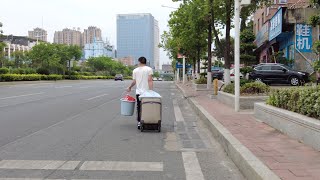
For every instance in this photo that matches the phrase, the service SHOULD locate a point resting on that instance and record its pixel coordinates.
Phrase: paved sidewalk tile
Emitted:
(286, 157)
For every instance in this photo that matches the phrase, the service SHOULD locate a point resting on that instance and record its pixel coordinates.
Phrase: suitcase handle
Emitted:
(151, 103)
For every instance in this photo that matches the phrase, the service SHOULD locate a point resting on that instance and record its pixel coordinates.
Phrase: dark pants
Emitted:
(138, 108)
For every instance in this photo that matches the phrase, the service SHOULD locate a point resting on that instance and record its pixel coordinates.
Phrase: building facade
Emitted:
(282, 30)
(38, 34)
(156, 45)
(69, 37)
(136, 37)
(99, 48)
(128, 61)
(17, 43)
(91, 34)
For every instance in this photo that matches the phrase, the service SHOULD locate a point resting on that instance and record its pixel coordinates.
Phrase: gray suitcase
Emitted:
(151, 114)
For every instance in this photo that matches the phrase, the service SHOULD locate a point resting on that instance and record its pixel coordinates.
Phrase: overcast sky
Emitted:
(19, 16)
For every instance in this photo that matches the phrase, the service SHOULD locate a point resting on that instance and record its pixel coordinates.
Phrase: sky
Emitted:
(20, 16)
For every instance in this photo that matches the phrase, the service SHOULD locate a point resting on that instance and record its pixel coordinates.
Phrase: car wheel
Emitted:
(294, 81)
(258, 79)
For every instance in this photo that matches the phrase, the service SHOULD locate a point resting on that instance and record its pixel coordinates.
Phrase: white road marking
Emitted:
(96, 97)
(85, 87)
(177, 112)
(191, 166)
(172, 94)
(38, 164)
(121, 166)
(60, 87)
(11, 97)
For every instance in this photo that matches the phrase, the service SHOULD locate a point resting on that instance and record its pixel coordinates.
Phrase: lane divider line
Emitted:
(96, 97)
(11, 97)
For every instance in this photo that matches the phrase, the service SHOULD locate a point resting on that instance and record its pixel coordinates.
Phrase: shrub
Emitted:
(86, 73)
(246, 70)
(18, 71)
(52, 77)
(303, 100)
(202, 80)
(229, 88)
(43, 71)
(30, 71)
(254, 88)
(4, 70)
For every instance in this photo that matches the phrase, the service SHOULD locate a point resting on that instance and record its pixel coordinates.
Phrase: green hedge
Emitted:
(20, 77)
(81, 77)
(303, 100)
(230, 87)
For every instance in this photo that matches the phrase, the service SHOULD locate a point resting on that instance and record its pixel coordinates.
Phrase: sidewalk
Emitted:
(284, 156)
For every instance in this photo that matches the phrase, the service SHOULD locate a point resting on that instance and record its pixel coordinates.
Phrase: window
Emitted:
(276, 68)
(266, 68)
(262, 18)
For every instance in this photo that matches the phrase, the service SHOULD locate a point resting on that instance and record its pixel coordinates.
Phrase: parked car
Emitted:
(155, 79)
(217, 73)
(232, 74)
(159, 79)
(118, 77)
(278, 73)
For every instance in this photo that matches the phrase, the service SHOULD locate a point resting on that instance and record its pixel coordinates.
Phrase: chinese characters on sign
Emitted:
(304, 37)
(275, 25)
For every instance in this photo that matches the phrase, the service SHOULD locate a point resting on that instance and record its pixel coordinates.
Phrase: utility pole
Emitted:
(209, 75)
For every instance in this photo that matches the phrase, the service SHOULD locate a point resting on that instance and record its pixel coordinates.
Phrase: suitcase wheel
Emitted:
(142, 126)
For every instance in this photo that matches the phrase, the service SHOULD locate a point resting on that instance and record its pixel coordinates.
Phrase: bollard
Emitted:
(215, 87)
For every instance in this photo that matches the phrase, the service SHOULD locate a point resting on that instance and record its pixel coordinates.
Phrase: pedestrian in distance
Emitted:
(142, 78)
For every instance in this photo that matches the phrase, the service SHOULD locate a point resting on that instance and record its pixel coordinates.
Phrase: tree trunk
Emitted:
(209, 76)
(227, 48)
(198, 61)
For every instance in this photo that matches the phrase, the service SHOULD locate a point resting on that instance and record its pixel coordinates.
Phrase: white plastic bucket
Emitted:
(127, 107)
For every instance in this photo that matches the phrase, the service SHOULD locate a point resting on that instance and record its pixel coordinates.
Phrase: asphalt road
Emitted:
(74, 130)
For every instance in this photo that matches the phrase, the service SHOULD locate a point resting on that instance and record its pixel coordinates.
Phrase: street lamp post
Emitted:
(237, 8)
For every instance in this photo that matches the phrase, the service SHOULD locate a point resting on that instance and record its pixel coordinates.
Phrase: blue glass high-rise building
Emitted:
(137, 35)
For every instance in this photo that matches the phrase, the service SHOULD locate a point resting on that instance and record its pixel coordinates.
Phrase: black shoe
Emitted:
(139, 125)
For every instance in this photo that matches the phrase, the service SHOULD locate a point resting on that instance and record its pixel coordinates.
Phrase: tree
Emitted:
(2, 58)
(247, 56)
(19, 59)
(156, 74)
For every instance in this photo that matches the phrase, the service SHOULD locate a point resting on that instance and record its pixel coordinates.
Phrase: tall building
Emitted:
(38, 34)
(91, 34)
(156, 45)
(98, 49)
(68, 36)
(136, 37)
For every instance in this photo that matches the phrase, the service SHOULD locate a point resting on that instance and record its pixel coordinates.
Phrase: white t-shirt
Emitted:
(141, 75)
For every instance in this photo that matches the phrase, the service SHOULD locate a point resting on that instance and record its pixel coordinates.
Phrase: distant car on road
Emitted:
(233, 73)
(159, 79)
(278, 73)
(217, 73)
(155, 79)
(118, 77)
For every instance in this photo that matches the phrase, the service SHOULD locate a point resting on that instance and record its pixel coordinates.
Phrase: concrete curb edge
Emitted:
(250, 166)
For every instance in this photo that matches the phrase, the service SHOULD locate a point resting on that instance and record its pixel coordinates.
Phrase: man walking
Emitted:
(142, 77)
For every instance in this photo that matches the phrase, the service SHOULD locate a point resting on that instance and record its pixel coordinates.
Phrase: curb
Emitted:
(250, 166)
